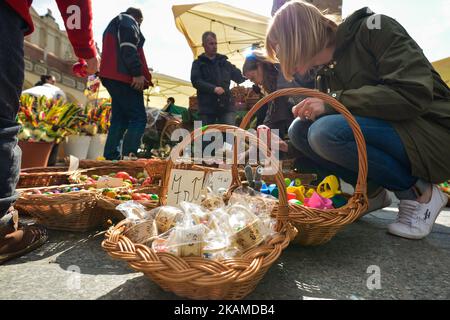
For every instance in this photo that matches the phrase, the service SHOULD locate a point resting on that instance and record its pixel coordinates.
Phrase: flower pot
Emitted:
(97, 146)
(35, 154)
(77, 146)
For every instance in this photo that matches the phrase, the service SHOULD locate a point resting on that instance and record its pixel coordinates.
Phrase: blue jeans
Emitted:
(328, 145)
(11, 81)
(128, 119)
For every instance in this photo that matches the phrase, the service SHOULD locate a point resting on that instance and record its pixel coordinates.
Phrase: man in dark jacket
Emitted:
(125, 74)
(211, 75)
(15, 22)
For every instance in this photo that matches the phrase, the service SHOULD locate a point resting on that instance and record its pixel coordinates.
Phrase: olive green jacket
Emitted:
(379, 71)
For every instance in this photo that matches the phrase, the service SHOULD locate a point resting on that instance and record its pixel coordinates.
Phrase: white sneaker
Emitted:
(415, 220)
(380, 201)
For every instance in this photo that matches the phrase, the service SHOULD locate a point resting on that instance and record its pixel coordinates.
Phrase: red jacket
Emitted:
(123, 51)
(82, 40)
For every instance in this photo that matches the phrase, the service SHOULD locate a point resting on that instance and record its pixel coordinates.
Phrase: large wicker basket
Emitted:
(43, 177)
(317, 226)
(199, 278)
(72, 211)
(106, 170)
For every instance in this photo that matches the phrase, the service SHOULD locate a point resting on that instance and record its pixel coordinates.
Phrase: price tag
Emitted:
(185, 185)
(220, 180)
(109, 182)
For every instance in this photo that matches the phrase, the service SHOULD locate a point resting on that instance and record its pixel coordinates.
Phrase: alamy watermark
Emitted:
(374, 21)
(74, 19)
(213, 146)
(73, 281)
(374, 280)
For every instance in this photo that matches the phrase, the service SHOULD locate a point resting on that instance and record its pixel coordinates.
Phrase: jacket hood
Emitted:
(348, 29)
(204, 58)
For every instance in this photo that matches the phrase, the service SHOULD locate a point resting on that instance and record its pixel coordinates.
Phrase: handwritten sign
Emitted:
(74, 163)
(109, 182)
(185, 185)
(220, 180)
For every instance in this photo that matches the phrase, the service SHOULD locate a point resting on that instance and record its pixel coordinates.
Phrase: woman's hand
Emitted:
(309, 109)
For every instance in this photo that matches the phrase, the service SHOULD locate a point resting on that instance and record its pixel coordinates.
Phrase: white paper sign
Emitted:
(74, 163)
(220, 180)
(185, 185)
(109, 182)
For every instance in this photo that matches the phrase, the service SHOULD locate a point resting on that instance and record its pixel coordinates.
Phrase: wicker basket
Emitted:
(106, 170)
(43, 177)
(317, 226)
(108, 205)
(72, 211)
(199, 278)
(156, 169)
(88, 164)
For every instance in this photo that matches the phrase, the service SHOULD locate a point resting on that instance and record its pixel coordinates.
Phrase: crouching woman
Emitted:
(372, 66)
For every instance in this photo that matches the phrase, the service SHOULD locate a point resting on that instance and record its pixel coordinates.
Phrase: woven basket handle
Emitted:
(361, 185)
(283, 209)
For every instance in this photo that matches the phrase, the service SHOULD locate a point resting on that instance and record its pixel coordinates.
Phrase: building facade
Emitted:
(48, 51)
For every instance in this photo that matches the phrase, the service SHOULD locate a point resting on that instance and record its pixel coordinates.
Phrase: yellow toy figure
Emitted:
(298, 191)
(329, 187)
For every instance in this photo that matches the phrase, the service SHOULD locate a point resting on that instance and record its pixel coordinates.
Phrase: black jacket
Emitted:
(279, 114)
(206, 75)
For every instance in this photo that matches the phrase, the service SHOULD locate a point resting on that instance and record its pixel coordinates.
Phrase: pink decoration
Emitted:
(318, 202)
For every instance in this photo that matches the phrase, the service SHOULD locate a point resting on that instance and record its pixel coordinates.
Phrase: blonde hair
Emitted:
(298, 32)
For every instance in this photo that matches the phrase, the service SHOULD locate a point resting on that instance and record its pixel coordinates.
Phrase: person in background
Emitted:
(211, 75)
(267, 76)
(176, 111)
(125, 74)
(400, 102)
(46, 87)
(17, 239)
(46, 79)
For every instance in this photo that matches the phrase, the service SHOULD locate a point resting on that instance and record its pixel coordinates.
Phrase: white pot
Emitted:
(97, 146)
(77, 146)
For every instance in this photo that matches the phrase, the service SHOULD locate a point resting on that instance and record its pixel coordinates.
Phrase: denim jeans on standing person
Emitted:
(11, 80)
(128, 119)
(329, 145)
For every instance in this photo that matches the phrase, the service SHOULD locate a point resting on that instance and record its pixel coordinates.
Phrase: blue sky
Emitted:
(167, 50)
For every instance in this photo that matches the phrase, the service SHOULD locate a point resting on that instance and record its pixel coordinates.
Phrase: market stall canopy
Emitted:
(165, 87)
(237, 30)
(443, 67)
(168, 86)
